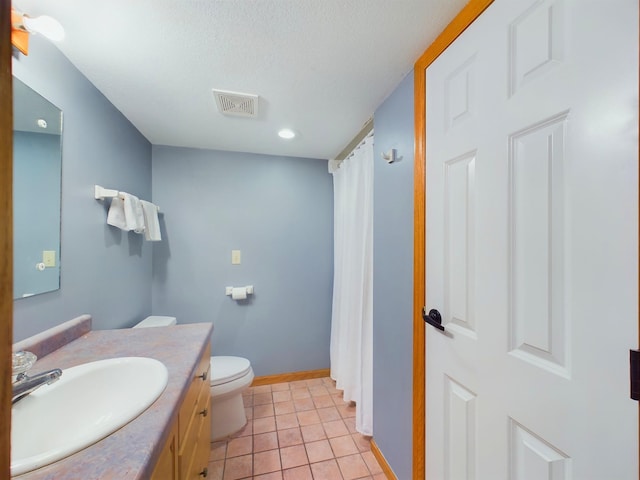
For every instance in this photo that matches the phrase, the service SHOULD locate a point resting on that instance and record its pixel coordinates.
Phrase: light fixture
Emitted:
(22, 25)
(286, 133)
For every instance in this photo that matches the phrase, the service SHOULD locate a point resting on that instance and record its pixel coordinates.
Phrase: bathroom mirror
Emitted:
(37, 173)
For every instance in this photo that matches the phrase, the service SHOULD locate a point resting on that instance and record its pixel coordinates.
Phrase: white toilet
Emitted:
(230, 376)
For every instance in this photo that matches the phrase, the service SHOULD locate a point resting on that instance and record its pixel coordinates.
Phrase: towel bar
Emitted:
(100, 193)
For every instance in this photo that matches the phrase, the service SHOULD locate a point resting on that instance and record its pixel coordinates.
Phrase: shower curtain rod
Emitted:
(357, 140)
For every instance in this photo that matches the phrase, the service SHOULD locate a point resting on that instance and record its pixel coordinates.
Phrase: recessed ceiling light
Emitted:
(286, 133)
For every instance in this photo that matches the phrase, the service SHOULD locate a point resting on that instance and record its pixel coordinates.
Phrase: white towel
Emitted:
(125, 213)
(116, 216)
(152, 225)
(133, 213)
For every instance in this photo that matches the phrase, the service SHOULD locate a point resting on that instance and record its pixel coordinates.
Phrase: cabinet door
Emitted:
(167, 466)
(202, 441)
(195, 424)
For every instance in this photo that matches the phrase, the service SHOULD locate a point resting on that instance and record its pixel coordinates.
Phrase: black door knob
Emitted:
(433, 318)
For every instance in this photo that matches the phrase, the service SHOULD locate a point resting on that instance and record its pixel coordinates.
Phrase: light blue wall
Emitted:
(36, 225)
(105, 272)
(278, 211)
(393, 279)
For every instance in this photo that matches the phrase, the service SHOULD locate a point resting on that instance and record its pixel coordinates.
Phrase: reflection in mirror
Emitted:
(37, 169)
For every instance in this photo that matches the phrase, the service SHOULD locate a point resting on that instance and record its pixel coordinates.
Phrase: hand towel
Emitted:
(152, 225)
(133, 212)
(126, 213)
(116, 215)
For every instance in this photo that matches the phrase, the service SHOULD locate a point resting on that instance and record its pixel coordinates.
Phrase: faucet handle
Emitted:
(22, 361)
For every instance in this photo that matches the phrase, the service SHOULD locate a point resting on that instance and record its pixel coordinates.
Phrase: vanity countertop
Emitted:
(132, 451)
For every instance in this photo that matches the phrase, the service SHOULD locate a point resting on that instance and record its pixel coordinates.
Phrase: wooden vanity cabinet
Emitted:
(185, 456)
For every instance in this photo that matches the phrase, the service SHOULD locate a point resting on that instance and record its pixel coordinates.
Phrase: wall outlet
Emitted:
(49, 258)
(235, 257)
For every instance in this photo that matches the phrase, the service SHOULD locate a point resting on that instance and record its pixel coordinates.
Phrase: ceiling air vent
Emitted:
(238, 104)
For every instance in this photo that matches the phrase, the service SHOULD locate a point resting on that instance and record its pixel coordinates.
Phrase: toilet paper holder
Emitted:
(229, 290)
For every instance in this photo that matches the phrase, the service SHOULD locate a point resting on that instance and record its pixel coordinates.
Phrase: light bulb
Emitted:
(44, 25)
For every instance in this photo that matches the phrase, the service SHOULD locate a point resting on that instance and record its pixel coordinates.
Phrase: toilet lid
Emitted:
(227, 369)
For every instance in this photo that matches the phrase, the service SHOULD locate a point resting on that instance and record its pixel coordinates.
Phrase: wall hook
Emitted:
(389, 156)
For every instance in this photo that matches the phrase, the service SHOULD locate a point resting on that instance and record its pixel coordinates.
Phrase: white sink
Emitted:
(86, 404)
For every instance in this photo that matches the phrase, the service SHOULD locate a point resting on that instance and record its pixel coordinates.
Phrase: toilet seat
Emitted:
(226, 369)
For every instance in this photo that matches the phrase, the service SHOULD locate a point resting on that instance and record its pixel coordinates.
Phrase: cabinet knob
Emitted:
(204, 472)
(204, 412)
(202, 377)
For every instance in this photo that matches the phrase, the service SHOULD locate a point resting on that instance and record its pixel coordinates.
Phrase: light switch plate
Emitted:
(235, 257)
(49, 258)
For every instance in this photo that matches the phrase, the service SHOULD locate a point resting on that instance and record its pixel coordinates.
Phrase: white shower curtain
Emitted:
(352, 316)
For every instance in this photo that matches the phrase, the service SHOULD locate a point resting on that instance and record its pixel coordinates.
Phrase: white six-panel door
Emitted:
(532, 253)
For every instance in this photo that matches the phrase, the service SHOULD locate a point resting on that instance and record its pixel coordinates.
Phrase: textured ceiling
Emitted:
(320, 67)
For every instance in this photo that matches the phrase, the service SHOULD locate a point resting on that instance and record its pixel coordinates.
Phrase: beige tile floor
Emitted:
(300, 430)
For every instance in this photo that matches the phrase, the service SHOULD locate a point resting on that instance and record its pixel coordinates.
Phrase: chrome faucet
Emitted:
(23, 385)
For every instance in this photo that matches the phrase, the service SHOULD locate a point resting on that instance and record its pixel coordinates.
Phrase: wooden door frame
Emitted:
(465, 17)
(6, 236)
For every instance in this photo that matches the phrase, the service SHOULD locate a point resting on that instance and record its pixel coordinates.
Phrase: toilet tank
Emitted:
(156, 321)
